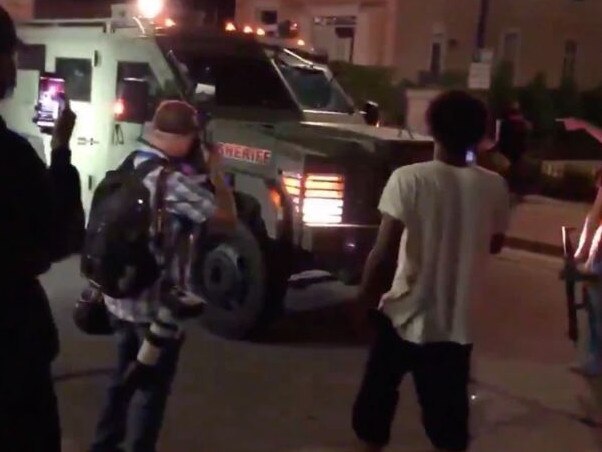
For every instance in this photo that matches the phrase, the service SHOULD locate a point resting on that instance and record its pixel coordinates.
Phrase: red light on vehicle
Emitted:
(247, 30)
(230, 26)
(169, 22)
(119, 108)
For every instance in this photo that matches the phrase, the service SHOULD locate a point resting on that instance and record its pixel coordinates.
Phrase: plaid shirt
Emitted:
(185, 201)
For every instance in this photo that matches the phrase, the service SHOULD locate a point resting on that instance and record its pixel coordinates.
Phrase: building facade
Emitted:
(427, 40)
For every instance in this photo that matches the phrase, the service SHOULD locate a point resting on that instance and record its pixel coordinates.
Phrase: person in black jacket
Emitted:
(41, 222)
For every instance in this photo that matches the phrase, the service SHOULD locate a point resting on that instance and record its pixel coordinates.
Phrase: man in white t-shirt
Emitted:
(445, 217)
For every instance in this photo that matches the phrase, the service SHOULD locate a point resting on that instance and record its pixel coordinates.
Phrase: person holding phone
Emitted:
(42, 221)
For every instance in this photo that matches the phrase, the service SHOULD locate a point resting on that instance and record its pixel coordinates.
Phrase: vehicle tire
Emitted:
(277, 256)
(232, 273)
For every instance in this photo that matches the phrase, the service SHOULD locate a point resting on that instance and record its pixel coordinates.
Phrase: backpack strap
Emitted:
(160, 212)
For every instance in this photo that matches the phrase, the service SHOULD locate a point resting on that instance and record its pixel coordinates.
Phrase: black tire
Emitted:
(232, 272)
(229, 270)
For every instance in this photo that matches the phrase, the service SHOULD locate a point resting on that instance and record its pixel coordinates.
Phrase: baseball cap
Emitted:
(176, 117)
(8, 34)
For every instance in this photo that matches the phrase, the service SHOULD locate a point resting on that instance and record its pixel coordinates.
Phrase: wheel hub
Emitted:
(224, 277)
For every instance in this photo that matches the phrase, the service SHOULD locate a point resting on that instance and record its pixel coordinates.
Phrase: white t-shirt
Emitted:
(450, 214)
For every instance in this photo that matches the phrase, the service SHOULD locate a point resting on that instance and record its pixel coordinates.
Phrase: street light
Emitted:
(149, 9)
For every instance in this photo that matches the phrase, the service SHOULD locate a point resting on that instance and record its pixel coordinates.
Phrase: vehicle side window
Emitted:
(127, 70)
(77, 73)
(32, 57)
(249, 83)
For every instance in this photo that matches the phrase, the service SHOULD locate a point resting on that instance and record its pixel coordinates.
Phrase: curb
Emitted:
(532, 246)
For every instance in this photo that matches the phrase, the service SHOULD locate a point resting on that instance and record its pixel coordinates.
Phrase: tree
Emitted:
(371, 83)
(592, 105)
(567, 99)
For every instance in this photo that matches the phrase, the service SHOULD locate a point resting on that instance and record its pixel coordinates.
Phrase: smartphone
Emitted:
(51, 102)
(471, 157)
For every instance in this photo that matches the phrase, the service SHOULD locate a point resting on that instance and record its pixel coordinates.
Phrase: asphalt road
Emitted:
(292, 391)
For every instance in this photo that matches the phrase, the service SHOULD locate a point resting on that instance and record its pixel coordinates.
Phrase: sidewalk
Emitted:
(536, 222)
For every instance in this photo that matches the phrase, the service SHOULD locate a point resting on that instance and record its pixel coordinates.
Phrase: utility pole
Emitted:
(481, 28)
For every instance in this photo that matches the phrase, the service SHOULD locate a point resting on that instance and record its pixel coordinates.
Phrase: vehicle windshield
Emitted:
(314, 88)
(227, 77)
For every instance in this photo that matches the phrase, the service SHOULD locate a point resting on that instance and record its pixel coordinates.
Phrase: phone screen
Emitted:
(51, 101)
(471, 157)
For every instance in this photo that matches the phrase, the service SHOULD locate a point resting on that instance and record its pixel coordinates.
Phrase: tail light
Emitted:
(318, 197)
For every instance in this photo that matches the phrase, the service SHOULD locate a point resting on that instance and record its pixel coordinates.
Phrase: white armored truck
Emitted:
(306, 167)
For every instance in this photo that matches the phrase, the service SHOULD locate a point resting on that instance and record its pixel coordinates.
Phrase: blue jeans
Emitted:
(148, 412)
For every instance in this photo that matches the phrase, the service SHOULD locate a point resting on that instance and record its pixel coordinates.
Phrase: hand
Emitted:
(215, 166)
(61, 135)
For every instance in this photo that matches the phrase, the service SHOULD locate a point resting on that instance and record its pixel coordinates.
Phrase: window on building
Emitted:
(570, 59)
(77, 73)
(32, 57)
(268, 16)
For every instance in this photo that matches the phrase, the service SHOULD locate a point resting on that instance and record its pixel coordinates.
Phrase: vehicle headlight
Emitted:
(318, 197)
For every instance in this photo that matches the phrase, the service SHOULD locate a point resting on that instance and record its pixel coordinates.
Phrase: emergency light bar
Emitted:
(149, 9)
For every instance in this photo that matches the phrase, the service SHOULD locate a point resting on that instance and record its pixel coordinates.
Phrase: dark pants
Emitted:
(149, 409)
(29, 418)
(441, 373)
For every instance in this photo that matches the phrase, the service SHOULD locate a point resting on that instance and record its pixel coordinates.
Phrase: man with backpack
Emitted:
(41, 222)
(146, 324)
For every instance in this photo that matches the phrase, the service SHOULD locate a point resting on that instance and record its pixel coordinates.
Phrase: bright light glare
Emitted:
(248, 29)
(322, 211)
(149, 9)
(260, 32)
(169, 22)
(230, 26)
(300, 42)
(119, 108)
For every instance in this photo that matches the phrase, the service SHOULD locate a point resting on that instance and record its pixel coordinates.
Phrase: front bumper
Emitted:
(339, 249)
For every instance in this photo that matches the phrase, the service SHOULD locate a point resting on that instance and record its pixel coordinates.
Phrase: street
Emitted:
(293, 390)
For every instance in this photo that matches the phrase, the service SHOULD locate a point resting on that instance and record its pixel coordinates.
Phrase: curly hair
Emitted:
(457, 120)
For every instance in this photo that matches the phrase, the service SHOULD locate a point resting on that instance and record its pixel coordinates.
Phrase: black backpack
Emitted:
(116, 257)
